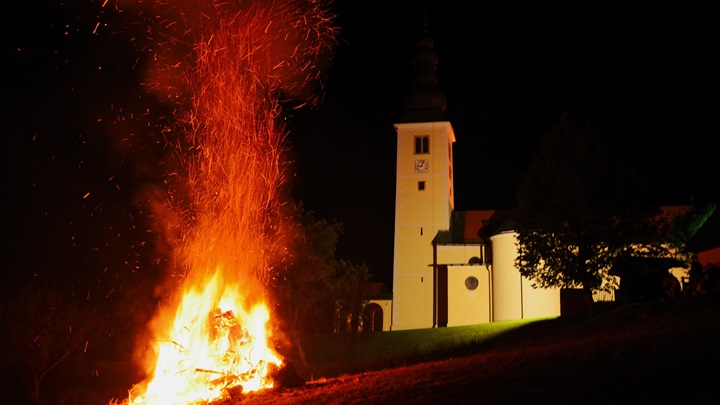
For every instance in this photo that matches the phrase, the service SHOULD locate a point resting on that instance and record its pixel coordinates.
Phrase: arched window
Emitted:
(372, 318)
(475, 260)
(422, 144)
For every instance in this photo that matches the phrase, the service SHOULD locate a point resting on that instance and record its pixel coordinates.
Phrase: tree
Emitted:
(348, 286)
(349, 283)
(303, 281)
(42, 329)
(579, 207)
(683, 227)
(312, 288)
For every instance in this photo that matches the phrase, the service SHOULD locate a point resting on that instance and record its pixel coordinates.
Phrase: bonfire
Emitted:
(230, 66)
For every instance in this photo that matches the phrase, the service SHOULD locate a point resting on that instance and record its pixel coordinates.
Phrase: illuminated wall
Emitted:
(468, 295)
(386, 307)
(468, 286)
(423, 204)
(513, 296)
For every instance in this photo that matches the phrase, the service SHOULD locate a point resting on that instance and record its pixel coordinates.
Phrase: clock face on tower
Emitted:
(421, 166)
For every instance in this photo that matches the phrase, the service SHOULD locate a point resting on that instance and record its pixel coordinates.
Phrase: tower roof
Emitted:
(426, 103)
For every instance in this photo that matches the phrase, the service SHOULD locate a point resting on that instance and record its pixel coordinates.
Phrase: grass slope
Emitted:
(662, 352)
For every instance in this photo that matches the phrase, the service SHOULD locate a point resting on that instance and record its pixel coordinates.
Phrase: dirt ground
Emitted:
(660, 352)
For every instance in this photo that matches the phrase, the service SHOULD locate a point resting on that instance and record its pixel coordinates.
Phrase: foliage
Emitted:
(313, 289)
(579, 207)
(307, 278)
(302, 281)
(684, 227)
(349, 281)
(43, 328)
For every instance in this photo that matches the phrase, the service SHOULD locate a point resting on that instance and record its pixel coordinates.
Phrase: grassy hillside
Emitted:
(652, 352)
(333, 355)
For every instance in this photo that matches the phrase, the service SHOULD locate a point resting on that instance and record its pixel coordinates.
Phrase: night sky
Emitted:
(73, 169)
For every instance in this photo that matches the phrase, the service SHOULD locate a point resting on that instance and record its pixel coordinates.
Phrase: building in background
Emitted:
(450, 268)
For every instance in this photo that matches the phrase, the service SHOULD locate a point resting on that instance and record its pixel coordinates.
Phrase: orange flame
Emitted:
(216, 345)
(244, 56)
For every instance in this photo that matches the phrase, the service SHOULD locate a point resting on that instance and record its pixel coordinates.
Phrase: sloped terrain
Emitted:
(662, 352)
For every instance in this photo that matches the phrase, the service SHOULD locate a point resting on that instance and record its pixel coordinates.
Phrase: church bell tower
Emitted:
(424, 192)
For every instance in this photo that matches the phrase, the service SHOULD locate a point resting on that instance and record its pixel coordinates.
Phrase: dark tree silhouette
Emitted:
(350, 279)
(305, 285)
(579, 207)
(312, 288)
(348, 288)
(42, 329)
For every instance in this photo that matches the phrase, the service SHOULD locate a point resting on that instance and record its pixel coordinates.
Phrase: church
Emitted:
(451, 268)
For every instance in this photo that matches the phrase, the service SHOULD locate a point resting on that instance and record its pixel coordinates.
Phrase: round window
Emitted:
(471, 283)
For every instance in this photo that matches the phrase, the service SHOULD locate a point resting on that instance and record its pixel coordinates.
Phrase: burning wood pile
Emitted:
(226, 64)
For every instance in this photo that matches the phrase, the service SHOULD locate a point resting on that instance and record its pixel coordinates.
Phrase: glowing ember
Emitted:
(216, 346)
(213, 338)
